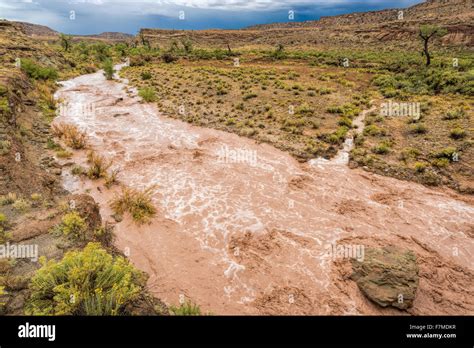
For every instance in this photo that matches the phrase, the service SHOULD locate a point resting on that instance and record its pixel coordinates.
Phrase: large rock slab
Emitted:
(387, 276)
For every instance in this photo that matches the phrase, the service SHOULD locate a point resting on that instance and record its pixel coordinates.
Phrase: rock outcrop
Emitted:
(387, 276)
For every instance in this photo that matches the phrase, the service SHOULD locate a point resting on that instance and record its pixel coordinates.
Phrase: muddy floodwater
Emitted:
(243, 228)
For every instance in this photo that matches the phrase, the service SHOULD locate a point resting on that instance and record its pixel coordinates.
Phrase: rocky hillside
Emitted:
(398, 27)
(442, 11)
(35, 29)
(396, 24)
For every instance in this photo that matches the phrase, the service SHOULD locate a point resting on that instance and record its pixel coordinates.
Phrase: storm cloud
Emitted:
(95, 16)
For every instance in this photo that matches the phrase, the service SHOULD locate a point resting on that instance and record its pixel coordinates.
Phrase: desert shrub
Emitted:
(457, 133)
(4, 106)
(7, 199)
(111, 178)
(447, 152)
(3, 90)
(3, 220)
(339, 135)
(382, 148)
(98, 166)
(2, 293)
(77, 170)
(185, 309)
(169, 57)
(3, 226)
(425, 81)
(409, 153)
(248, 132)
(47, 101)
(21, 205)
(454, 114)
(325, 91)
(38, 72)
(146, 75)
(36, 199)
(249, 96)
(70, 134)
(374, 130)
(138, 204)
(148, 94)
(230, 122)
(348, 110)
(63, 154)
(304, 109)
(429, 177)
(420, 167)
(187, 45)
(87, 282)
(5, 146)
(137, 61)
(345, 121)
(418, 128)
(73, 225)
(345, 83)
(440, 162)
(108, 67)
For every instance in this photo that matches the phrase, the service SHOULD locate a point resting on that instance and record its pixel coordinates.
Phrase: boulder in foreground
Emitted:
(387, 276)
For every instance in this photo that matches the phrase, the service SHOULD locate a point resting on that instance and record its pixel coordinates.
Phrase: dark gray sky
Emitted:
(96, 16)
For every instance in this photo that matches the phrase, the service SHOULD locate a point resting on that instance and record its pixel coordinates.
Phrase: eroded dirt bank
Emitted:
(243, 228)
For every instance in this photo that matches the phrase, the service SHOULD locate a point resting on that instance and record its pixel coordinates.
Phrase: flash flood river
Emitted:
(243, 228)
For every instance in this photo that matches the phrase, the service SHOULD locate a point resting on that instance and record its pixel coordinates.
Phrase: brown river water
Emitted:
(243, 228)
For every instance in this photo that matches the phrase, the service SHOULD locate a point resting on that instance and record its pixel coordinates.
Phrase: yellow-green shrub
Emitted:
(74, 225)
(87, 282)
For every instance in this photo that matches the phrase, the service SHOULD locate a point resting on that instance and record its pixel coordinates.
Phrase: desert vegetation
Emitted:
(87, 282)
(304, 101)
(70, 135)
(298, 92)
(137, 203)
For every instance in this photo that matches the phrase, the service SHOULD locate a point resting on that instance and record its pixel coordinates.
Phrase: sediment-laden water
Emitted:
(243, 228)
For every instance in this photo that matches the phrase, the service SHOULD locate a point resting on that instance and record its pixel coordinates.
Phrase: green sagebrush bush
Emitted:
(87, 282)
(38, 72)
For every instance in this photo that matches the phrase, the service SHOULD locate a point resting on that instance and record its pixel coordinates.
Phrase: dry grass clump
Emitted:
(111, 178)
(70, 134)
(98, 166)
(138, 203)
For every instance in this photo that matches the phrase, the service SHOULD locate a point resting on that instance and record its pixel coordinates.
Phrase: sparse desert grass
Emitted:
(185, 309)
(303, 101)
(77, 170)
(438, 149)
(111, 178)
(8, 199)
(268, 102)
(5, 146)
(137, 203)
(21, 205)
(98, 165)
(70, 134)
(63, 154)
(148, 94)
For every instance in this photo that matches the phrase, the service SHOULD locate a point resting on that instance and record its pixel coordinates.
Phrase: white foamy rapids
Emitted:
(278, 213)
